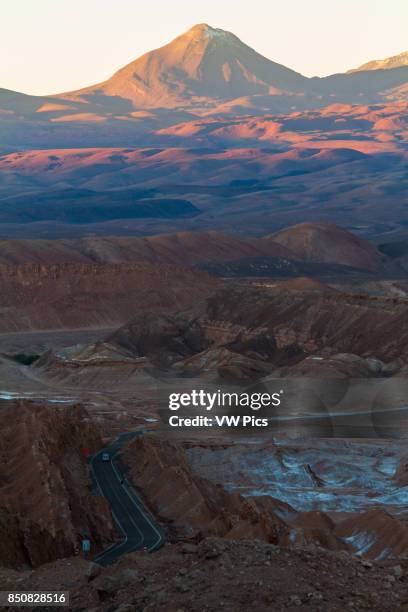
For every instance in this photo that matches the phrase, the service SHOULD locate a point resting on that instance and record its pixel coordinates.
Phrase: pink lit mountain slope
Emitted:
(204, 62)
(389, 63)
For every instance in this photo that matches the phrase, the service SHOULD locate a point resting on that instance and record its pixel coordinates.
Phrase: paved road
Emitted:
(134, 521)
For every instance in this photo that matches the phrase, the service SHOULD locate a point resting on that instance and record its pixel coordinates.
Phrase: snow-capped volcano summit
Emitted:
(203, 29)
(208, 69)
(202, 62)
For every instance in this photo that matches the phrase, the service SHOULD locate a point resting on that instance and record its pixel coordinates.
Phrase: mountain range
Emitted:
(203, 63)
(206, 218)
(202, 131)
(396, 61)
(203, 68)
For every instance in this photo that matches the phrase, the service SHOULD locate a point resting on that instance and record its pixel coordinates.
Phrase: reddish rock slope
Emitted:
(45, 502)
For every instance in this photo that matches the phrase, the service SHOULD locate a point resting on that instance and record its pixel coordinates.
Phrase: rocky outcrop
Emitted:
(163, 338)
(220, 362)
(343, 365)
(197, 345)
(315, 528)
(46, 505)
(94, 367)
(328, 243)
(180, 248)
(192, 506)
(38, 296)
(375, 534)
(247, 331)
(312, 322)
(186, 485)
(238, 575)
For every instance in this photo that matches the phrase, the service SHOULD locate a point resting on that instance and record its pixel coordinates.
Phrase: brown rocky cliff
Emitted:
(38, 296)
(338, 322)
(192, 505)
(46, 505)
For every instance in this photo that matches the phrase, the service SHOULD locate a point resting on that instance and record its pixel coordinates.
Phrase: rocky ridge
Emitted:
(46, 505)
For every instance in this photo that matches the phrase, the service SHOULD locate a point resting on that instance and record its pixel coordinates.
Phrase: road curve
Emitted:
(134, 521)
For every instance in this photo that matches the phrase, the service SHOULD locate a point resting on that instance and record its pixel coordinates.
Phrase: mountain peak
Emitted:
(207, 31)
(395, 61)
(201, 27)
(206, 66)
(204, 62)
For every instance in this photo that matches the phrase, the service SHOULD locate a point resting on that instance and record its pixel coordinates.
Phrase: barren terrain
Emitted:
(207, 218)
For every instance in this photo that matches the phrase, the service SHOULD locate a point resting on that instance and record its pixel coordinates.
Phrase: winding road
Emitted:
(138, 527)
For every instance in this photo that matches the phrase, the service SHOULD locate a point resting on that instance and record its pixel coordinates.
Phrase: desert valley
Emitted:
(206, 218)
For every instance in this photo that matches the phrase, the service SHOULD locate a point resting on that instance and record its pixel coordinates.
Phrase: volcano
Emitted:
(203, 62)
(207, 70)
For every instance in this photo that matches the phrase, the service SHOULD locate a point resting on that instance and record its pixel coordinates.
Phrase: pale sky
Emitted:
(51, 46)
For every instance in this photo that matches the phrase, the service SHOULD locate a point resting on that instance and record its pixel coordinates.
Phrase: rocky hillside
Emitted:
(245, 330)
(46, 505)
(235, 575)
(389, 63)
(335, 322)
(181, 248)
(57, 296)
(193, 507)
(327, 243)
(198, 69)
(202, 62)
(201, 488)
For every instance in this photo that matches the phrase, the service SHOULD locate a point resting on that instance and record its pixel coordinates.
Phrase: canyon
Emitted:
(207, 218)
(46, 505)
